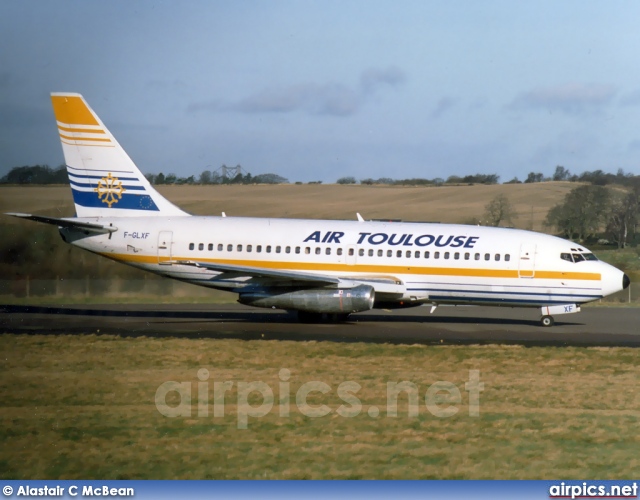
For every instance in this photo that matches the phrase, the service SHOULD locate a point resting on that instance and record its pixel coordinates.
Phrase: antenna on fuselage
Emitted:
(360, 219)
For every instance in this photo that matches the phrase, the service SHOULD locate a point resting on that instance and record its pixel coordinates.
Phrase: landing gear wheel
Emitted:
(338, 317)
(547, 321)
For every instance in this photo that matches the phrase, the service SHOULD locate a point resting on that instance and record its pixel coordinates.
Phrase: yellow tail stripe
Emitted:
(96, 139)
(82, 130)
(72, 110)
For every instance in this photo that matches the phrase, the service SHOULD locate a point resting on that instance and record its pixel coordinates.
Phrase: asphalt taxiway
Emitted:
(594, 326)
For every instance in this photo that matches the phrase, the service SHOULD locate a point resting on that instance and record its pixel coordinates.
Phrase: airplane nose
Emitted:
(625, 282)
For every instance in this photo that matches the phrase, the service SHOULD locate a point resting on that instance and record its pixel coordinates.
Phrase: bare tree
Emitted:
(623, 218)
(499, 210)
(582, 213)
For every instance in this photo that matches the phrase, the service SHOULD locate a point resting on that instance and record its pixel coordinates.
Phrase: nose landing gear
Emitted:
(547, 321)
(547, 312)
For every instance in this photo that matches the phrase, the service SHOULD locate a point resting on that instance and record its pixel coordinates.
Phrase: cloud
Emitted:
(372, 79)
(334, 99)
(631, 99)
(329, 99)
(566, 148)
(571, 98)
(444, 105)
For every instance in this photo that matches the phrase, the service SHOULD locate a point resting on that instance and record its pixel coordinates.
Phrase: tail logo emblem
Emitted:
(109, 190)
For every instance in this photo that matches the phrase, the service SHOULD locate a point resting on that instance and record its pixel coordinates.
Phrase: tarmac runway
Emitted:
(595, 326)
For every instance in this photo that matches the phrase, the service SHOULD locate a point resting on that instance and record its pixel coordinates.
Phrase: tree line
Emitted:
(588, 212)
(212, 177)
(596, 177)
(44, 174)
(36, 174)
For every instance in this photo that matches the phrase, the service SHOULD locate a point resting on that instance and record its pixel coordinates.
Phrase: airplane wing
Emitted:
(69, 223)
(382, 284)
(261, 272)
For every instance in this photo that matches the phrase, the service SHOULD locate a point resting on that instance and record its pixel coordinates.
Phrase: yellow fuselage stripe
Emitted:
(366, 268)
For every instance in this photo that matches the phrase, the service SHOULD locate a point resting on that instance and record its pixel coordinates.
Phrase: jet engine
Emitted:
(316, 300)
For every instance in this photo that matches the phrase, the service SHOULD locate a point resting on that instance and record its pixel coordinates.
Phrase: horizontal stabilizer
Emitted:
(68, 223)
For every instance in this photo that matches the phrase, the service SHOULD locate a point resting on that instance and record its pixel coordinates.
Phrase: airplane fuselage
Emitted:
(404, 262)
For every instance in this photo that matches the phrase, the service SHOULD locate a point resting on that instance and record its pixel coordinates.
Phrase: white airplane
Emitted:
(311, 266)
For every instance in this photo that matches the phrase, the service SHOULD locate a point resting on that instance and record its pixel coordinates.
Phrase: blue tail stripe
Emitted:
(82, 176)
(127, 201)
(94, 185)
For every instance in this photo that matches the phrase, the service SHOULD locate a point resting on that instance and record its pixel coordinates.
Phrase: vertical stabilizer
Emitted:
(104, 180)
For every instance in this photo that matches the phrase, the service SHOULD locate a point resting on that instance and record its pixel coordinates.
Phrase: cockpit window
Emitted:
(566, 256)
(577, 257)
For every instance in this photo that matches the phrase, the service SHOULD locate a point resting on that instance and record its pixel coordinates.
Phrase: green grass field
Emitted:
(83, 407)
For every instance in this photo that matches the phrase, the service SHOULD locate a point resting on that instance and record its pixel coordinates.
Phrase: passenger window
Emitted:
(249, 248)
(278, 249)
(566, 256)
(497, 257)
(487, 256)
(327, 251)
(426, 254)
(229, 248)
(456, 255)
(477, 256)
(507, 257)
(287, 250)
(200, 246)
(467, 256)
(268, 249)
(318, 250)
(380, 253)
(399, 253)
(192, 246)
(210, 247)
(417, 254)
(351, 251)
(446, 255)
(259, 248)
(339, 251)
(220, 247)
(307, 250)
(361, 252)
(297, 249)
(389, 253)
(371, 252)
(436, 255)
(239, 248)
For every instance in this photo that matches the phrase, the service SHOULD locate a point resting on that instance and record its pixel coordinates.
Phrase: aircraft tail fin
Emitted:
(104, 180)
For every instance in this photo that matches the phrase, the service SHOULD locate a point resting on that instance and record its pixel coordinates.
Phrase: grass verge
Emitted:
(83, 406)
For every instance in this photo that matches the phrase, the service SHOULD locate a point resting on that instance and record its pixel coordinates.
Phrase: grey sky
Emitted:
(318, 90)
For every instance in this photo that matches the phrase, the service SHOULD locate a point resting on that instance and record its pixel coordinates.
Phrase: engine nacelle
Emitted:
(316, 300)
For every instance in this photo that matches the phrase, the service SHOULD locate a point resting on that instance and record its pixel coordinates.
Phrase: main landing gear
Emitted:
(547, 311)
